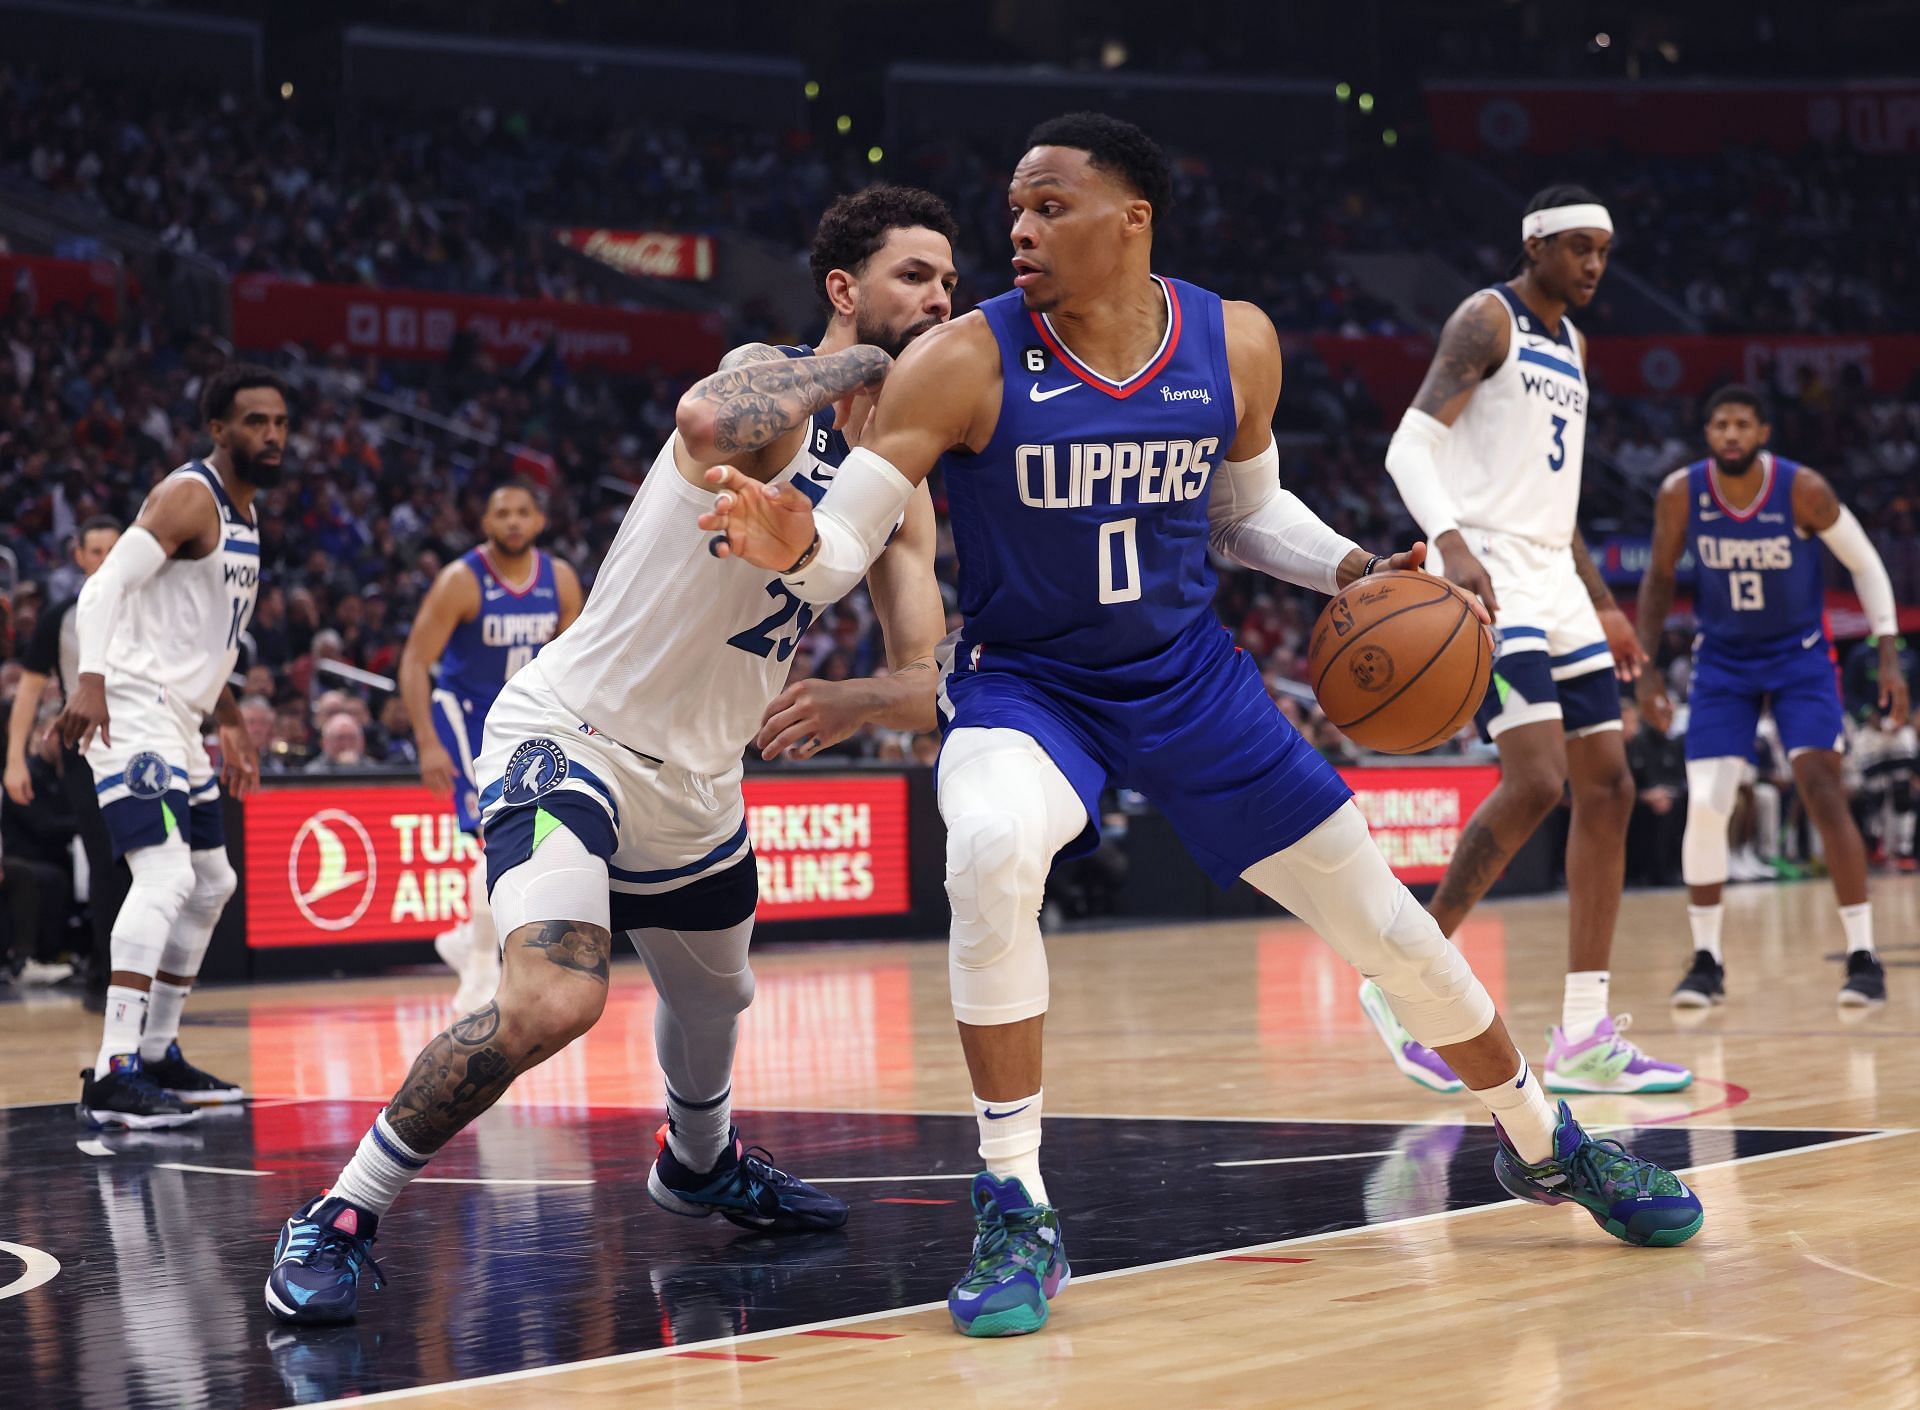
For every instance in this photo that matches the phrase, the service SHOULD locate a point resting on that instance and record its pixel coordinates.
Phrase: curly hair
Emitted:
(216, 398)
(854, 227)
(1117, 147)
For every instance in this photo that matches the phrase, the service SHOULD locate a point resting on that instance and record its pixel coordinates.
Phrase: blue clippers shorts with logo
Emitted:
(675, 842)
(156, 779)
(1192, 727)
(1793, 679)
(461, 726)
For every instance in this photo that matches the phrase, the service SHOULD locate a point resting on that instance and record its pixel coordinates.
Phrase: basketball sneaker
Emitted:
(1632, 1199)
(1416, 1060)
(317, 1262)
(1604, 1061)
(745, 1188)
(126, 1095)
(1866, 981)
(180, 1079)
(1704, 985)
(1019, 1263)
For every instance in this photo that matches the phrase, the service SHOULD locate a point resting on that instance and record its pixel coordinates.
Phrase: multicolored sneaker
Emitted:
(316, 1265)
(745, 1188)
(125, 1095)
(1418, 1061)
(1605, 1061)
(1019, 1263)
(1704, 985)
(1866, 981)
(1632, 1199)
(182, 1081)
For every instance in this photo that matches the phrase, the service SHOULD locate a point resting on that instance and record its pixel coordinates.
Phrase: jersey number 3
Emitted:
(760, 638)
(1558, 460)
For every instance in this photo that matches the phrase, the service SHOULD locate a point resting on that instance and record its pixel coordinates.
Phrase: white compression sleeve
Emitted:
(853, 519)
(1413, 459)
(134, 559)
(1853, 548)
(1253, 521)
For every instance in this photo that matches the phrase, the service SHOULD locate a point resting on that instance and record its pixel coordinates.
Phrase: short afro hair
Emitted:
(216, 398)
(1116, 147)
(1738, 394)
(854, 227)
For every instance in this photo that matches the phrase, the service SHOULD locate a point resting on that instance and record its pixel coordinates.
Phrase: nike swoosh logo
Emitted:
(1522, 1082)
(1035, 394)
(1810, 641)
(1709, 514)
(496, 596)
(1003, 1115)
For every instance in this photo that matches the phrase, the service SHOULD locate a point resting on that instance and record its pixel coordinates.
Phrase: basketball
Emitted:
(1399, 661)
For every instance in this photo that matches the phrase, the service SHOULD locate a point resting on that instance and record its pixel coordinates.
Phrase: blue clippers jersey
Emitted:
(510, 630)
(1759, 577)
(1081, 528)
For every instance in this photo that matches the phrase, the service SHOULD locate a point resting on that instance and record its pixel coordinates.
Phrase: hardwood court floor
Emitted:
(1364, 1269)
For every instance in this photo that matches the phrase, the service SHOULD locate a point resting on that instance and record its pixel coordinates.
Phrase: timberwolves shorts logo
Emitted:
(536, 767)
(148, 776)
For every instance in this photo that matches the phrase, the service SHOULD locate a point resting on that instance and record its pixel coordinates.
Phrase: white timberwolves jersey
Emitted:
(677, 653)
(1512, 462)
(181, 628)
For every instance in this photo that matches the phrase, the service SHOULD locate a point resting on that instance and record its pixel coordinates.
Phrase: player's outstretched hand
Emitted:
(436, 768)
(812, 715)
(1896, 704)
(1414, 560)
(1624, 642)
(769, 526)
(86, 713)
(239, 761)
(1650, 694)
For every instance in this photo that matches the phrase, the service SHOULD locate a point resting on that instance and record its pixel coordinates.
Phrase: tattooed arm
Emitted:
(752, 412)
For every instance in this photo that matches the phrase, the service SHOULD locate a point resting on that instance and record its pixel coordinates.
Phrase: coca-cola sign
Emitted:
(646, 254)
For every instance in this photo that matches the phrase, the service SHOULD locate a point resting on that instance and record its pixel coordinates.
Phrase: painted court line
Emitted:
(628, 1358)
(886, 1179)
(207, 1169)
(461, 1180)
(1304, 1159)
(41, 1268)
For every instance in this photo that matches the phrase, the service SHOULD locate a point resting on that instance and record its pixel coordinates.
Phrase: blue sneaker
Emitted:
(316, 1264)
(745, 1188)
(1632, 1199)
(1019, 1263)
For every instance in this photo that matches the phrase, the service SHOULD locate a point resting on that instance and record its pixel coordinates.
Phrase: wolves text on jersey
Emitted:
(1556, 390)
(1158, 472)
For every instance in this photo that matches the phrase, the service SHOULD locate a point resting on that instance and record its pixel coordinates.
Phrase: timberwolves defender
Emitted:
(1751, 517)
(485, 617)
(1488, 460)
(611, 768)
(1098, 429)
(158, 628)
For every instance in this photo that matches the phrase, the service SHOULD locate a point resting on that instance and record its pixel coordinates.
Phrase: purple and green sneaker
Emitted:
(1416, 1060)
(1605, 1061)
(1019, 1262)
(1633, 1199)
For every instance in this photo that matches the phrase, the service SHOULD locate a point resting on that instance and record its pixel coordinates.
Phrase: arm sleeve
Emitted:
(1252, 520)
(134, 560)
(853, 519)
(1853, 548)
(42, 655)
(1413, 459)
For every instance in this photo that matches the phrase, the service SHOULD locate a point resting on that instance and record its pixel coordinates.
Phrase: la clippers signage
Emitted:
(345, 866)
(647, 254)
(1416, 814)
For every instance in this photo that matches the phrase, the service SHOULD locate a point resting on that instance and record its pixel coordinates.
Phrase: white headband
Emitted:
(1555, 219)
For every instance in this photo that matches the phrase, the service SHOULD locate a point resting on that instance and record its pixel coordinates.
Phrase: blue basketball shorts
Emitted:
(461, 725)
(1794, 680)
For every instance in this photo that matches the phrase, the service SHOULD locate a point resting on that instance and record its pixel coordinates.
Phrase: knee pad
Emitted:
(163, 879)
(213, 885)
(996, 880)
(1712, 786)
(699, 973)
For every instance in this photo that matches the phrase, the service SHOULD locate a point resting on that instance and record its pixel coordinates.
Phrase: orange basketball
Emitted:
(1399, 661)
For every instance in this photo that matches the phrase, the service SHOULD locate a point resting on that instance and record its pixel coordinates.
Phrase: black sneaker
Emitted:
(180, 1079)
(1866, 982)
(126, 1096)
(1704, 986)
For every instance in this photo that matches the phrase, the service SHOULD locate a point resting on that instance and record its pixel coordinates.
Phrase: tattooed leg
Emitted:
(1533, 770)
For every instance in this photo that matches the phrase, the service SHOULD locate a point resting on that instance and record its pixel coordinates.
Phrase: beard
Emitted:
(891, 341)
(262, 475)
(1735, 464)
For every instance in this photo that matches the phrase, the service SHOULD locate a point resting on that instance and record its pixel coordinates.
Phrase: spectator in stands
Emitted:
(36, 869)
(1659, 766)
(343, 747)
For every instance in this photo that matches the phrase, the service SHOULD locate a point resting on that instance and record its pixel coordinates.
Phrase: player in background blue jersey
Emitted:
(1750, 518)
(1099, 430)
(485, 617)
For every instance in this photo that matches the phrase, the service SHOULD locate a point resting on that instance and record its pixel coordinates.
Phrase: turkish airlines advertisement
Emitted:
(380, 862)
(1416, 814)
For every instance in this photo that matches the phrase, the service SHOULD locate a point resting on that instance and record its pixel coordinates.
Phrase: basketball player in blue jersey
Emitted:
(484, 618)
(158, 628)
(1488, 459)
(1750, 517)
(1098, 429)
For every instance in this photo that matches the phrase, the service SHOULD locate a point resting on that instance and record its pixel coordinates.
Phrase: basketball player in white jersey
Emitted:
(611, 767)
(159, 629)
(1488, 459)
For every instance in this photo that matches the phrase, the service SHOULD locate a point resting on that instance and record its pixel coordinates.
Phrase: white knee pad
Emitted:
(1008, 809)
(162, 880)
(562, 880)
(1335, 879)
(213, 886)
(1712, 785)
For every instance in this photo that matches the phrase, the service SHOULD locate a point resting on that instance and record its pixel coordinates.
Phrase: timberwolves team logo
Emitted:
(148, 776)
(1371, 668)
(332, 869)
(536, 767)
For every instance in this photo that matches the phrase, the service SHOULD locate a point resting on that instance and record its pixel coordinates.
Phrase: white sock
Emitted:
(1857, 921)
(1010, 1141)
(126, 1015)
(1585, 1003)
(1524, 1113)
(163, 1018)
(379, 1170)
(1705, 921)
(697, 1131)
